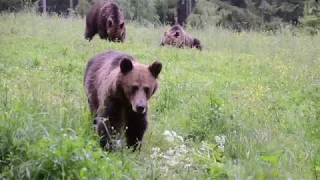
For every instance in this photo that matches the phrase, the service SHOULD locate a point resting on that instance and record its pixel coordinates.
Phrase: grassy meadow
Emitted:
(246, 107)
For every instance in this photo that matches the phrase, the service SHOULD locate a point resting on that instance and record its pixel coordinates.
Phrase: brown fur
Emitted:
(118, 88)
(177, 37)
(106, 19)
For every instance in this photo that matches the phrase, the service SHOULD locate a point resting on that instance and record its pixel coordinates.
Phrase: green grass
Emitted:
(259, 91)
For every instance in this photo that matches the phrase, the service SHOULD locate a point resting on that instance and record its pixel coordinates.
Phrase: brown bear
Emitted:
(106, 19)
(177, 37)
(118, 89)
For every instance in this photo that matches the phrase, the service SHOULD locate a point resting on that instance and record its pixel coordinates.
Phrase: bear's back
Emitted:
(104, 63)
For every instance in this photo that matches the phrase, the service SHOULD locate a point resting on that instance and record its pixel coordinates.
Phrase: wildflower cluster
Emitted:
(221, 140)
(180, 156)
(172, 136)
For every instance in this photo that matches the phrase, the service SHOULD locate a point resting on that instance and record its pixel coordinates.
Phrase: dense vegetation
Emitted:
(246, 107)
(233, 14)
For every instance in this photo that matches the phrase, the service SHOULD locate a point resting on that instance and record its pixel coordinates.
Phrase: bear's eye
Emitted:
(134, 89)
(146, 90)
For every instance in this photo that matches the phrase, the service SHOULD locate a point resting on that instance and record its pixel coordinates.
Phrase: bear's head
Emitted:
(139, 82)
(173, 38)
(115, 30)
(197, 44)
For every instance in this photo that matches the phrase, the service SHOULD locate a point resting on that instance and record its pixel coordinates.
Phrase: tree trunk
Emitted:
(44, 6)
(71, 8)
(184, 9)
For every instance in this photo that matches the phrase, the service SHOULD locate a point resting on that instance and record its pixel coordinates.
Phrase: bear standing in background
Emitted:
(118, 88)
(177, 37)
(106, 19)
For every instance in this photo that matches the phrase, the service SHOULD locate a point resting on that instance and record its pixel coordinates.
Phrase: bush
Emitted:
(67, 156)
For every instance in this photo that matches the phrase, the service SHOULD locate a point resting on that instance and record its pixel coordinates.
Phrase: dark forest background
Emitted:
(233, 14)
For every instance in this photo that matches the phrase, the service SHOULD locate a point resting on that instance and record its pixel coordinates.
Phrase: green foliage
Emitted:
(247, 106)
(82, 7)
(235, 15)
(142, 11)
(78, 160)
(14, 5)
(204, 14)
(206, 118)
(67, 156)
(310, 22)
(165, 10)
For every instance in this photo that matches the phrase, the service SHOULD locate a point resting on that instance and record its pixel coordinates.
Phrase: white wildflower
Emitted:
(155, 153)
(180, 138)
(171, 136)
(189, 160)
(85, 169)
(170, 152)
(183, 149)
(204, 145)
(167, 133)
(178, 154)
(73, 137)
(166, 157)
(172, 162)
(156, 149)
(174, 133)
(221, 140)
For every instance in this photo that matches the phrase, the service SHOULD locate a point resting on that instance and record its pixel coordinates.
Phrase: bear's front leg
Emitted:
(105, 133)
(123, 36)
(136, 127)
(109, 124)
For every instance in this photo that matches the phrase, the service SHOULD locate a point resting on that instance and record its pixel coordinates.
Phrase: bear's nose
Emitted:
(140, 108)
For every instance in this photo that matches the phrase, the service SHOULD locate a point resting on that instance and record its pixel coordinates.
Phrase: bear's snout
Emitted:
(140, 109)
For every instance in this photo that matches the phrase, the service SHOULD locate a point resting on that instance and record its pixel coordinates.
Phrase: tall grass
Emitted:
(246, 107)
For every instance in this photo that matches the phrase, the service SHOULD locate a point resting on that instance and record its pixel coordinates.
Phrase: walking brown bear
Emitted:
(177, 37)
(106, 19)
(118, 88)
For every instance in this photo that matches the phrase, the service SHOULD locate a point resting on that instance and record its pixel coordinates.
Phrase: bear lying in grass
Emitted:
(118, 88)
(177, 37)
(106, 19)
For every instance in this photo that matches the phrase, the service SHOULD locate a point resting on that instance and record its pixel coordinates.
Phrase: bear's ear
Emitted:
(121, 25)
(176, 34)
(155, 68)
(125, 65)
(110, 22)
